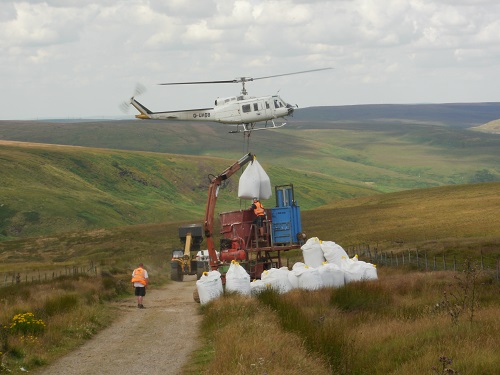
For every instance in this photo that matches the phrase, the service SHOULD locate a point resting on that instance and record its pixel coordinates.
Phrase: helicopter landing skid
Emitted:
(248, 128)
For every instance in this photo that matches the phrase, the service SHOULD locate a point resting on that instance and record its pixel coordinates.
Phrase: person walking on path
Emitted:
(140, 281)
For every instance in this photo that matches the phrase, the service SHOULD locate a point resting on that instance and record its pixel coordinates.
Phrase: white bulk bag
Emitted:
(352, 270)
(312, 252)
(257, 286)
(254, 182)
(265, 191)
(356, 270)
(332, 275)
(277, 279)
(309, 277)
(237, 279)
(209, 286)
(369, 271)
(333, 252)
(294, 280)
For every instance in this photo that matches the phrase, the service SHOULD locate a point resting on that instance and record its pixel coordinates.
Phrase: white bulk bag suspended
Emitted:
(254, 182)
(312, 252)
(237, 279)
(209, 286)
(265, 191)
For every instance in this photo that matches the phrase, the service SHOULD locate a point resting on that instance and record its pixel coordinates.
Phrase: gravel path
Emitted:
(154, 340)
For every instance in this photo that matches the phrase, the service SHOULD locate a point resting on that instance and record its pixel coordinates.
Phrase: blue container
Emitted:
(286, 222)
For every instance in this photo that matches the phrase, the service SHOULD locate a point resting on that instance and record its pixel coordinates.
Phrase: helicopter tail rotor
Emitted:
(139, 90)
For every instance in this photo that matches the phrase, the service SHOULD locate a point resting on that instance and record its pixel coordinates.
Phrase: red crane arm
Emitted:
(213, 191)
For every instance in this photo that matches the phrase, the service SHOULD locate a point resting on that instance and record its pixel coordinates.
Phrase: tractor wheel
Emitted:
(200, 268)
(176, 274)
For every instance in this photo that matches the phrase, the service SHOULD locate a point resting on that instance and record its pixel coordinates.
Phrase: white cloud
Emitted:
(95, 51)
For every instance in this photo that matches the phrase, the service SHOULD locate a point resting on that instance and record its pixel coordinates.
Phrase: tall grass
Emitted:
(69, 309)
(245, 337)
(394, 325)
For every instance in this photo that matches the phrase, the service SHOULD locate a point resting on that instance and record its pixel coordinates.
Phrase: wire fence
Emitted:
(36, 275)
(415, 259)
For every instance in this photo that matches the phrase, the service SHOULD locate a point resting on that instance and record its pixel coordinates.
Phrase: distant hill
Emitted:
(459, 115)
(492, 127)
(130, 172)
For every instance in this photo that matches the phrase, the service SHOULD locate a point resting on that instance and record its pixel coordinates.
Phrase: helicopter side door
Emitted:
(255, 110)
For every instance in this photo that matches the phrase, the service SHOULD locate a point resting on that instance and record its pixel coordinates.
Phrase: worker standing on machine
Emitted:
(260, 214)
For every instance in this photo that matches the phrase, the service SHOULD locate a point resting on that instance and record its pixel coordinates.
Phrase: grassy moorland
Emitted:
(399, 324)
(50, 189)
(388, 154)
(356, 330)
(63, 206)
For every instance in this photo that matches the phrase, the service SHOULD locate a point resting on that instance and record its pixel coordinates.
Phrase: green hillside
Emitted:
(385, 156)
(132, 172)
(48, 189)
(459, 219)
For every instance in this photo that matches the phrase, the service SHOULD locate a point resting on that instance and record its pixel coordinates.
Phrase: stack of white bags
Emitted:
(326, 264)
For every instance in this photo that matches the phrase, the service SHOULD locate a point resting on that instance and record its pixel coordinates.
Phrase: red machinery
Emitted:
(240, 238)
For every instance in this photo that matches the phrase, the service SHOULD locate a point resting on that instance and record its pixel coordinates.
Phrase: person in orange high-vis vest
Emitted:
(260, 214)
(140, 281)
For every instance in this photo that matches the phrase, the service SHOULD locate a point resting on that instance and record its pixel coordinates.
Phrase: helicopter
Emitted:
(243, 110)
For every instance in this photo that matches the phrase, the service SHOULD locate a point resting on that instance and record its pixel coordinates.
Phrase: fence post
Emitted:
(454, 262)
(482, 260)
(498, 269)
(435, 263)
(426, 264)
(418, 259)
(444, 262)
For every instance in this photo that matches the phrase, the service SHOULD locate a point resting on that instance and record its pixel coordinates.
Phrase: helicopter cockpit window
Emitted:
(267, 105)
(255, 106)
(276, 105)
(246, 108)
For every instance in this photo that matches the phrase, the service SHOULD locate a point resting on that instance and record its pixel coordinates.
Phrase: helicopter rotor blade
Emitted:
(289, 74)
(197, 83)
(240, 79)
(139, 89)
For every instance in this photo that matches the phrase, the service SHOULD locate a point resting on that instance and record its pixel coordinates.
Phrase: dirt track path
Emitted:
(154, 340)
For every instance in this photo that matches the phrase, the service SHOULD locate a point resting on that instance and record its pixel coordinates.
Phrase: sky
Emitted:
(82, 58)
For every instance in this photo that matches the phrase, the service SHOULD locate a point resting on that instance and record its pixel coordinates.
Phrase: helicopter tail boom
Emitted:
(144, 112)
